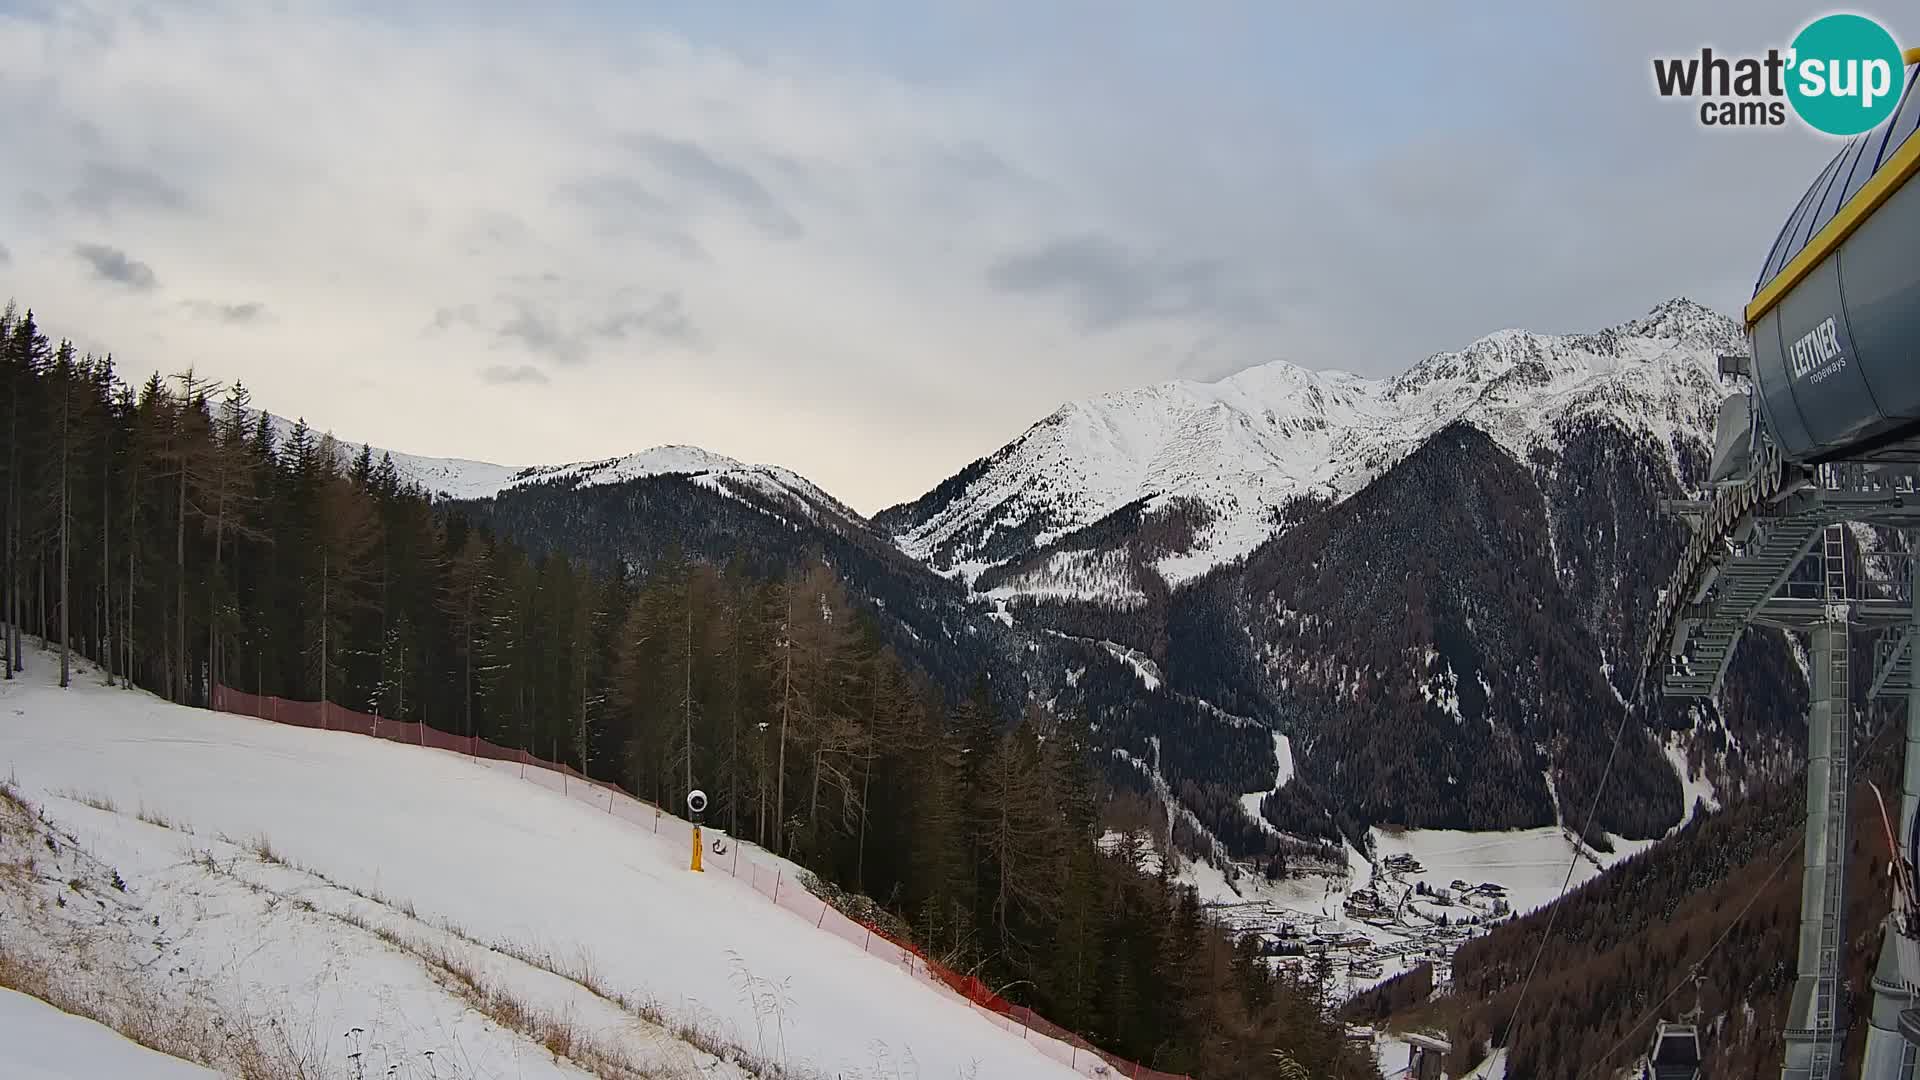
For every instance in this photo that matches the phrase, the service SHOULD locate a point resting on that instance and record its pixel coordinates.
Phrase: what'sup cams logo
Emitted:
(1842, 75)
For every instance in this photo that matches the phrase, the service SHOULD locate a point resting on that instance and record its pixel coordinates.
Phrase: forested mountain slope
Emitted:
(169, 533)
(1723, 894)
(1462, 556)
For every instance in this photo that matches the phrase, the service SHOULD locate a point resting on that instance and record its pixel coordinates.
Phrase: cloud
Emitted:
(105, 188)
(5, 255)
(550, 319)
(112, 264)
(251, 311)
(664, 317)
(1108, 284)
(795, 243)
(695, 167)
(447, 318)
(572, 337)
(525, 374)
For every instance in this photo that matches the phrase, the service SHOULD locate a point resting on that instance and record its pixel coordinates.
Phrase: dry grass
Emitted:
(561, 1037)
(187, 1030)
(98, 802)
(262, 849)
(155, 817)
(10, 796)
(180, 1025)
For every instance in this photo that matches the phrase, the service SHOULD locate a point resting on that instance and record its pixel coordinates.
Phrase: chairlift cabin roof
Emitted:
(1835, 316)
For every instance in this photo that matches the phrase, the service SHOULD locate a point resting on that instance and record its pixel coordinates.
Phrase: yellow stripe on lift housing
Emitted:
(1888, 180)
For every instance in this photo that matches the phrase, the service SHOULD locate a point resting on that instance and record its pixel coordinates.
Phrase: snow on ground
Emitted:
(1693, 789)
(450, 843)
(1142, 664)
(39, 1042)
(1391, 1053)
(1530, 864)
(1283, 765)
(1077, 575)
(1494, 1068)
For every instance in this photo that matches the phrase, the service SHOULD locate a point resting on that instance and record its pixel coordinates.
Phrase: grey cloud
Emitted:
(112, 264)
(694, 166)
(541, 327)
(1108, 285)
(251, 311)
(975, 162)
(5, 255)
(495, 230)
(537, 331)
(666, 318)
(525, 374)
(619, 205)
(105, 188)
(611, 191)
(448, 317)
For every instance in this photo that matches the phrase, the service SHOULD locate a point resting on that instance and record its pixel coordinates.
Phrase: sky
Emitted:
(867, 241)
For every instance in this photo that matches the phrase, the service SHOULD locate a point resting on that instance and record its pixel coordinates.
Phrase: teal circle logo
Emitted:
(1845, 74)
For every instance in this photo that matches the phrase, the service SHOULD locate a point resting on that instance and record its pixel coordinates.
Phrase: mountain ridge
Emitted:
(1136, 531)
(1244, 446)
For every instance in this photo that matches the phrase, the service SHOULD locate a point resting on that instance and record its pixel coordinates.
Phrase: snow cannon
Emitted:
(697, 809)
(1835, 317)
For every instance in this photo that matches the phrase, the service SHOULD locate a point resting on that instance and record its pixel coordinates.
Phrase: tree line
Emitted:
(183, 540)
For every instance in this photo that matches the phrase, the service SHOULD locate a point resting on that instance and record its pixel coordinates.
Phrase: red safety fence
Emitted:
(770, 881)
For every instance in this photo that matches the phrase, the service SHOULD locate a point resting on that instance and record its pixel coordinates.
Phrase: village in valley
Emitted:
(1360, 935)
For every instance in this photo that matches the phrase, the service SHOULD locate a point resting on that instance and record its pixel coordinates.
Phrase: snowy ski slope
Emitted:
(43, 1043)
(454, 843)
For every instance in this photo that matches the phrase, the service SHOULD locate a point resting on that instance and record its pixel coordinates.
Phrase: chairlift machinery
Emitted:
(1824, 431)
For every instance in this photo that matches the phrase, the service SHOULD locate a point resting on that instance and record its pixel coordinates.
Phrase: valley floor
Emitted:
(1528, 866)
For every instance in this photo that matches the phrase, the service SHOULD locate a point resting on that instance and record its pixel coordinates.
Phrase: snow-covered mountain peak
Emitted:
(460, 478)
(658, 461)
(1686, 321)
(1231, 453)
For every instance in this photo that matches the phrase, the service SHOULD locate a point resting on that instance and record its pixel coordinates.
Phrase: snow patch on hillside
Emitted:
(1142, 664)
(1283, 772)
(1693, 789)
(1105, 576)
